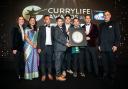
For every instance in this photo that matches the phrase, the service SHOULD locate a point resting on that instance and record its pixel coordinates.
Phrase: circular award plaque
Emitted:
(77, 37)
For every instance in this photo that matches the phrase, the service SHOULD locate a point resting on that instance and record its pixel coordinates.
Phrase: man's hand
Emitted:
(99, 48)
(87, 38)
(114, 48)
(39, 50)
(14, 51)
(68, 32)
(68, 45)
(34, 45)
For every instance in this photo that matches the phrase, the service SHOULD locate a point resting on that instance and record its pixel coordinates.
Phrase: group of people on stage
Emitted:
(45, 51)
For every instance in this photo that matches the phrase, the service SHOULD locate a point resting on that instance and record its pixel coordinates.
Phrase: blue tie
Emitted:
(61, 29)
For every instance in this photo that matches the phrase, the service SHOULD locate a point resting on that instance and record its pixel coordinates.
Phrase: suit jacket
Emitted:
(60, 39)
(42, 37)
(64, 26)
(93, 34)
(17, 42)
(109, 35)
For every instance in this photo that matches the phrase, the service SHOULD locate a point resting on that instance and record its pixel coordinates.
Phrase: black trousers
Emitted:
(92, 60)
(78, 61)
(46, 56)
(19, 63)
(108, 62)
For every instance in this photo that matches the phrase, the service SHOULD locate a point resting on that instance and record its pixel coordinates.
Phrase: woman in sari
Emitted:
(30, 50)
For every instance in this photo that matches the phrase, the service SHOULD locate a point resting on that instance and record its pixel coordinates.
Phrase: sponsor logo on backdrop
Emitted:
(32, 10)
(98, 15)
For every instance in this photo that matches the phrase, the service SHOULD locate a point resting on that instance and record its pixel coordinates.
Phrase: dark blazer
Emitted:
(64, 26)
(60, 40)
(42, 37)
(93, 34)
(17, 42)
(109, 35)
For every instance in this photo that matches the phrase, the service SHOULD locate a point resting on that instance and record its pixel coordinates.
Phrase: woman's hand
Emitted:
(14, 51)
(34, 45)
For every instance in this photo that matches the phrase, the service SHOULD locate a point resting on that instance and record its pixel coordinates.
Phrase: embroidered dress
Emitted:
(31, 55)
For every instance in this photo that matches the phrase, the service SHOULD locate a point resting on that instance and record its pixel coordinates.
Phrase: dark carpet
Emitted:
(9, 81)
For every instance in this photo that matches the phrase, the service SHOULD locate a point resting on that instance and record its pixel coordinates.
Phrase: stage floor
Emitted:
(8, 80)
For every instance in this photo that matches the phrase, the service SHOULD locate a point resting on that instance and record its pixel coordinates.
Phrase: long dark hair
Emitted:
(35, 26)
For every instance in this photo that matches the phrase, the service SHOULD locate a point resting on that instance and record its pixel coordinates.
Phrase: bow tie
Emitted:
(87, 24)
(47, 26)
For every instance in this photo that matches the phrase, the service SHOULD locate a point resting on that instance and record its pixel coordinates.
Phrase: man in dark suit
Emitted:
(67, 60)
(17, 46)
(91, 31)
(60, 47)
(109, 39)
(45, 47)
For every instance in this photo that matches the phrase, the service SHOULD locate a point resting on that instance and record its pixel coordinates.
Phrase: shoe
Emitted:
(60, 78)
(105, 75)
(82, 74)
(50, 77)
(112, 76)
(70, 71)
(64, 74)
(75, 74)
(43, 78)
(19, 77)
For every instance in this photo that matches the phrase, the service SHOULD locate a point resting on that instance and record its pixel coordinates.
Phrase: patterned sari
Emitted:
(31, 55)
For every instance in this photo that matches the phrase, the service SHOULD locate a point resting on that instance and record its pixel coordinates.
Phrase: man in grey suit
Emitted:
(60, 47)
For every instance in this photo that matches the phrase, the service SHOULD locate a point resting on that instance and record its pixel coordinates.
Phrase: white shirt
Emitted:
(48, 36)
(22, 32)
(67, 26)
(67, 29)
(88, 28)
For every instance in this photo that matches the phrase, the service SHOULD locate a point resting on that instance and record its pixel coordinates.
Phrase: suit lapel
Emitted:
(62, 31)
(90, 29)
(44, 33)
(19, 29)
